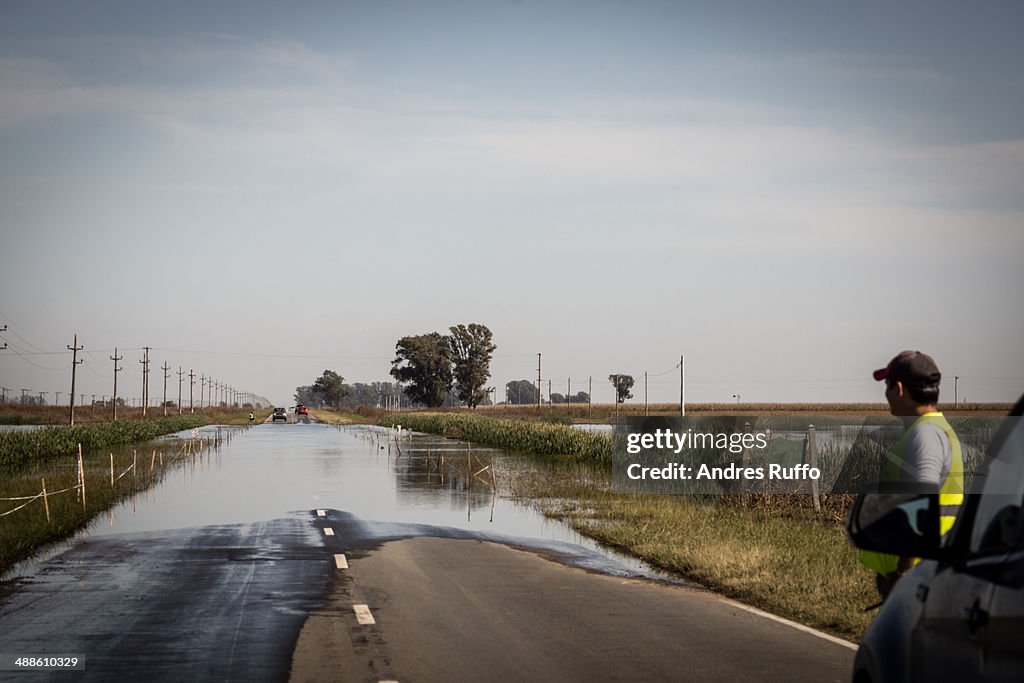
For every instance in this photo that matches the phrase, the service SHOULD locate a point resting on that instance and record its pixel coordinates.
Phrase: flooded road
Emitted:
(281, 470)
(229, 570)
(212, 572)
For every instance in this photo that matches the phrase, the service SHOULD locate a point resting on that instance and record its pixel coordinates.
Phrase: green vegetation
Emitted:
(471, 349)
(24, 523)
(20, 448)
(423, 362)
(539, 438)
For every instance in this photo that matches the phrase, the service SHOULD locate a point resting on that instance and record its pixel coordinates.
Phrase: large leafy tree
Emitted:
(622, 384)
(307, 395)
(521, 392)
(471, 349)
(424, 363)
(331, 386)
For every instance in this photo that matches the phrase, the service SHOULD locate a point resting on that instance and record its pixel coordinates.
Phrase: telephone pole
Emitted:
(165, 367)
(117, 369)
(5, 343)
(539, 387)
(202, 389)
(191, 391)
(145, 380)
(682, 385)
(74, 367)
(180, 375)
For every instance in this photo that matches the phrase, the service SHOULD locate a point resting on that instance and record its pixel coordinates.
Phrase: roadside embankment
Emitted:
(773, 552)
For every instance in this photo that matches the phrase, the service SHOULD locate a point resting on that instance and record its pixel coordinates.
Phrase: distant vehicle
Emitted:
(959, 614)
(301, 410)
(280, 414)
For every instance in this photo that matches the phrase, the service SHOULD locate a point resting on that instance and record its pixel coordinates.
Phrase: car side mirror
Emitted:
(905, 524)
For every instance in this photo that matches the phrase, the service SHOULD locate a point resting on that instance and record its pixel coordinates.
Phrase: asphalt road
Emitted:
(209, 603)
(460, 609)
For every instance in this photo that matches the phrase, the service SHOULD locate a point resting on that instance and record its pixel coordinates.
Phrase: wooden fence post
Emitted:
(46, 503)
(812, 457)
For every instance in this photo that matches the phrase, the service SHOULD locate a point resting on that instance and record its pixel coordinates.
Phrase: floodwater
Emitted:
(418, 484)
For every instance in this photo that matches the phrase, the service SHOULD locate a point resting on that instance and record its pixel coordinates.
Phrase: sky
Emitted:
(788, 193)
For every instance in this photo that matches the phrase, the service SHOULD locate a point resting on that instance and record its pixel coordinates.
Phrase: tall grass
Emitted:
(24, 525)
(539, 438)
(18, 449)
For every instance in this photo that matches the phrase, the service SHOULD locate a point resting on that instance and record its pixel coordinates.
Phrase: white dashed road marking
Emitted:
(328, 531)
(340, 561)
(321, 513)
(363, 615)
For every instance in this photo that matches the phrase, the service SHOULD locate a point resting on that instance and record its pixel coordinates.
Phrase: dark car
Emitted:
(280, 414)
(959, 614)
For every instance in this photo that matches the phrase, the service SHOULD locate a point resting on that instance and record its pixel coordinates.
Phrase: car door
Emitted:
(970, 607)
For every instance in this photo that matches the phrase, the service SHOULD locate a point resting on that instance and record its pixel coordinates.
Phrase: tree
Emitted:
(424, 363)
(471, 350)
(331, 386)
(622, 384)
(307, 395)
(521, 392)
(580, 397)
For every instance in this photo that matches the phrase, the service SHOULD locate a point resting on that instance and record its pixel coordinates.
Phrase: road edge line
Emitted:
(799, 627)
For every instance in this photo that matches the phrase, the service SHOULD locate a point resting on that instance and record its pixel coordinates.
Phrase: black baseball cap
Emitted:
(912, 368)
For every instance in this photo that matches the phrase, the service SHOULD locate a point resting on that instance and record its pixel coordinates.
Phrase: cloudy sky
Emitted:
(789, 193)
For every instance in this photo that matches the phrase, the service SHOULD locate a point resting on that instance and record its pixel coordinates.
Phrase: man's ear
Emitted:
(899, 388)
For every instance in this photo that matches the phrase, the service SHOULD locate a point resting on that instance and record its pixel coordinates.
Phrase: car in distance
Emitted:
(301, 410)
(959, 614)
(280, 414)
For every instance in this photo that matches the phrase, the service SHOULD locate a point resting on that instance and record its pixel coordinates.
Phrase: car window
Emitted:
(998, 517)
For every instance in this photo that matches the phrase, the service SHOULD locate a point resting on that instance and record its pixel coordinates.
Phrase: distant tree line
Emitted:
(331, 390)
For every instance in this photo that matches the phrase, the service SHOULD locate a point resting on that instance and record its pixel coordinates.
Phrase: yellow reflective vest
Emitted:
(951, 492)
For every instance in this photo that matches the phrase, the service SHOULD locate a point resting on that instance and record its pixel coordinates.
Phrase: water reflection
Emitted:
(275, 470)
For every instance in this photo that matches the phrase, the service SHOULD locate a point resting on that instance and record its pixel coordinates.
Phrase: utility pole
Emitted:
(645, 392)
(568, 394)
(539, 389)
(191, 390)
(165, 367)
(682, 385)
(180, 375)
(202, 390)
(74, 367)
(41, 399)
(56, 397)
(590, 397)
(3, 394)
(956, 396)
(5, 343)
(24, 393)
(145, 380)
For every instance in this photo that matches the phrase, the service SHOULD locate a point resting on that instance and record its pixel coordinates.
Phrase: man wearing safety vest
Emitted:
(927, 452)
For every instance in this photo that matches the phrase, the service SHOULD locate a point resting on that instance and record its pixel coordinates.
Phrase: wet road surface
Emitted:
(212, 576)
